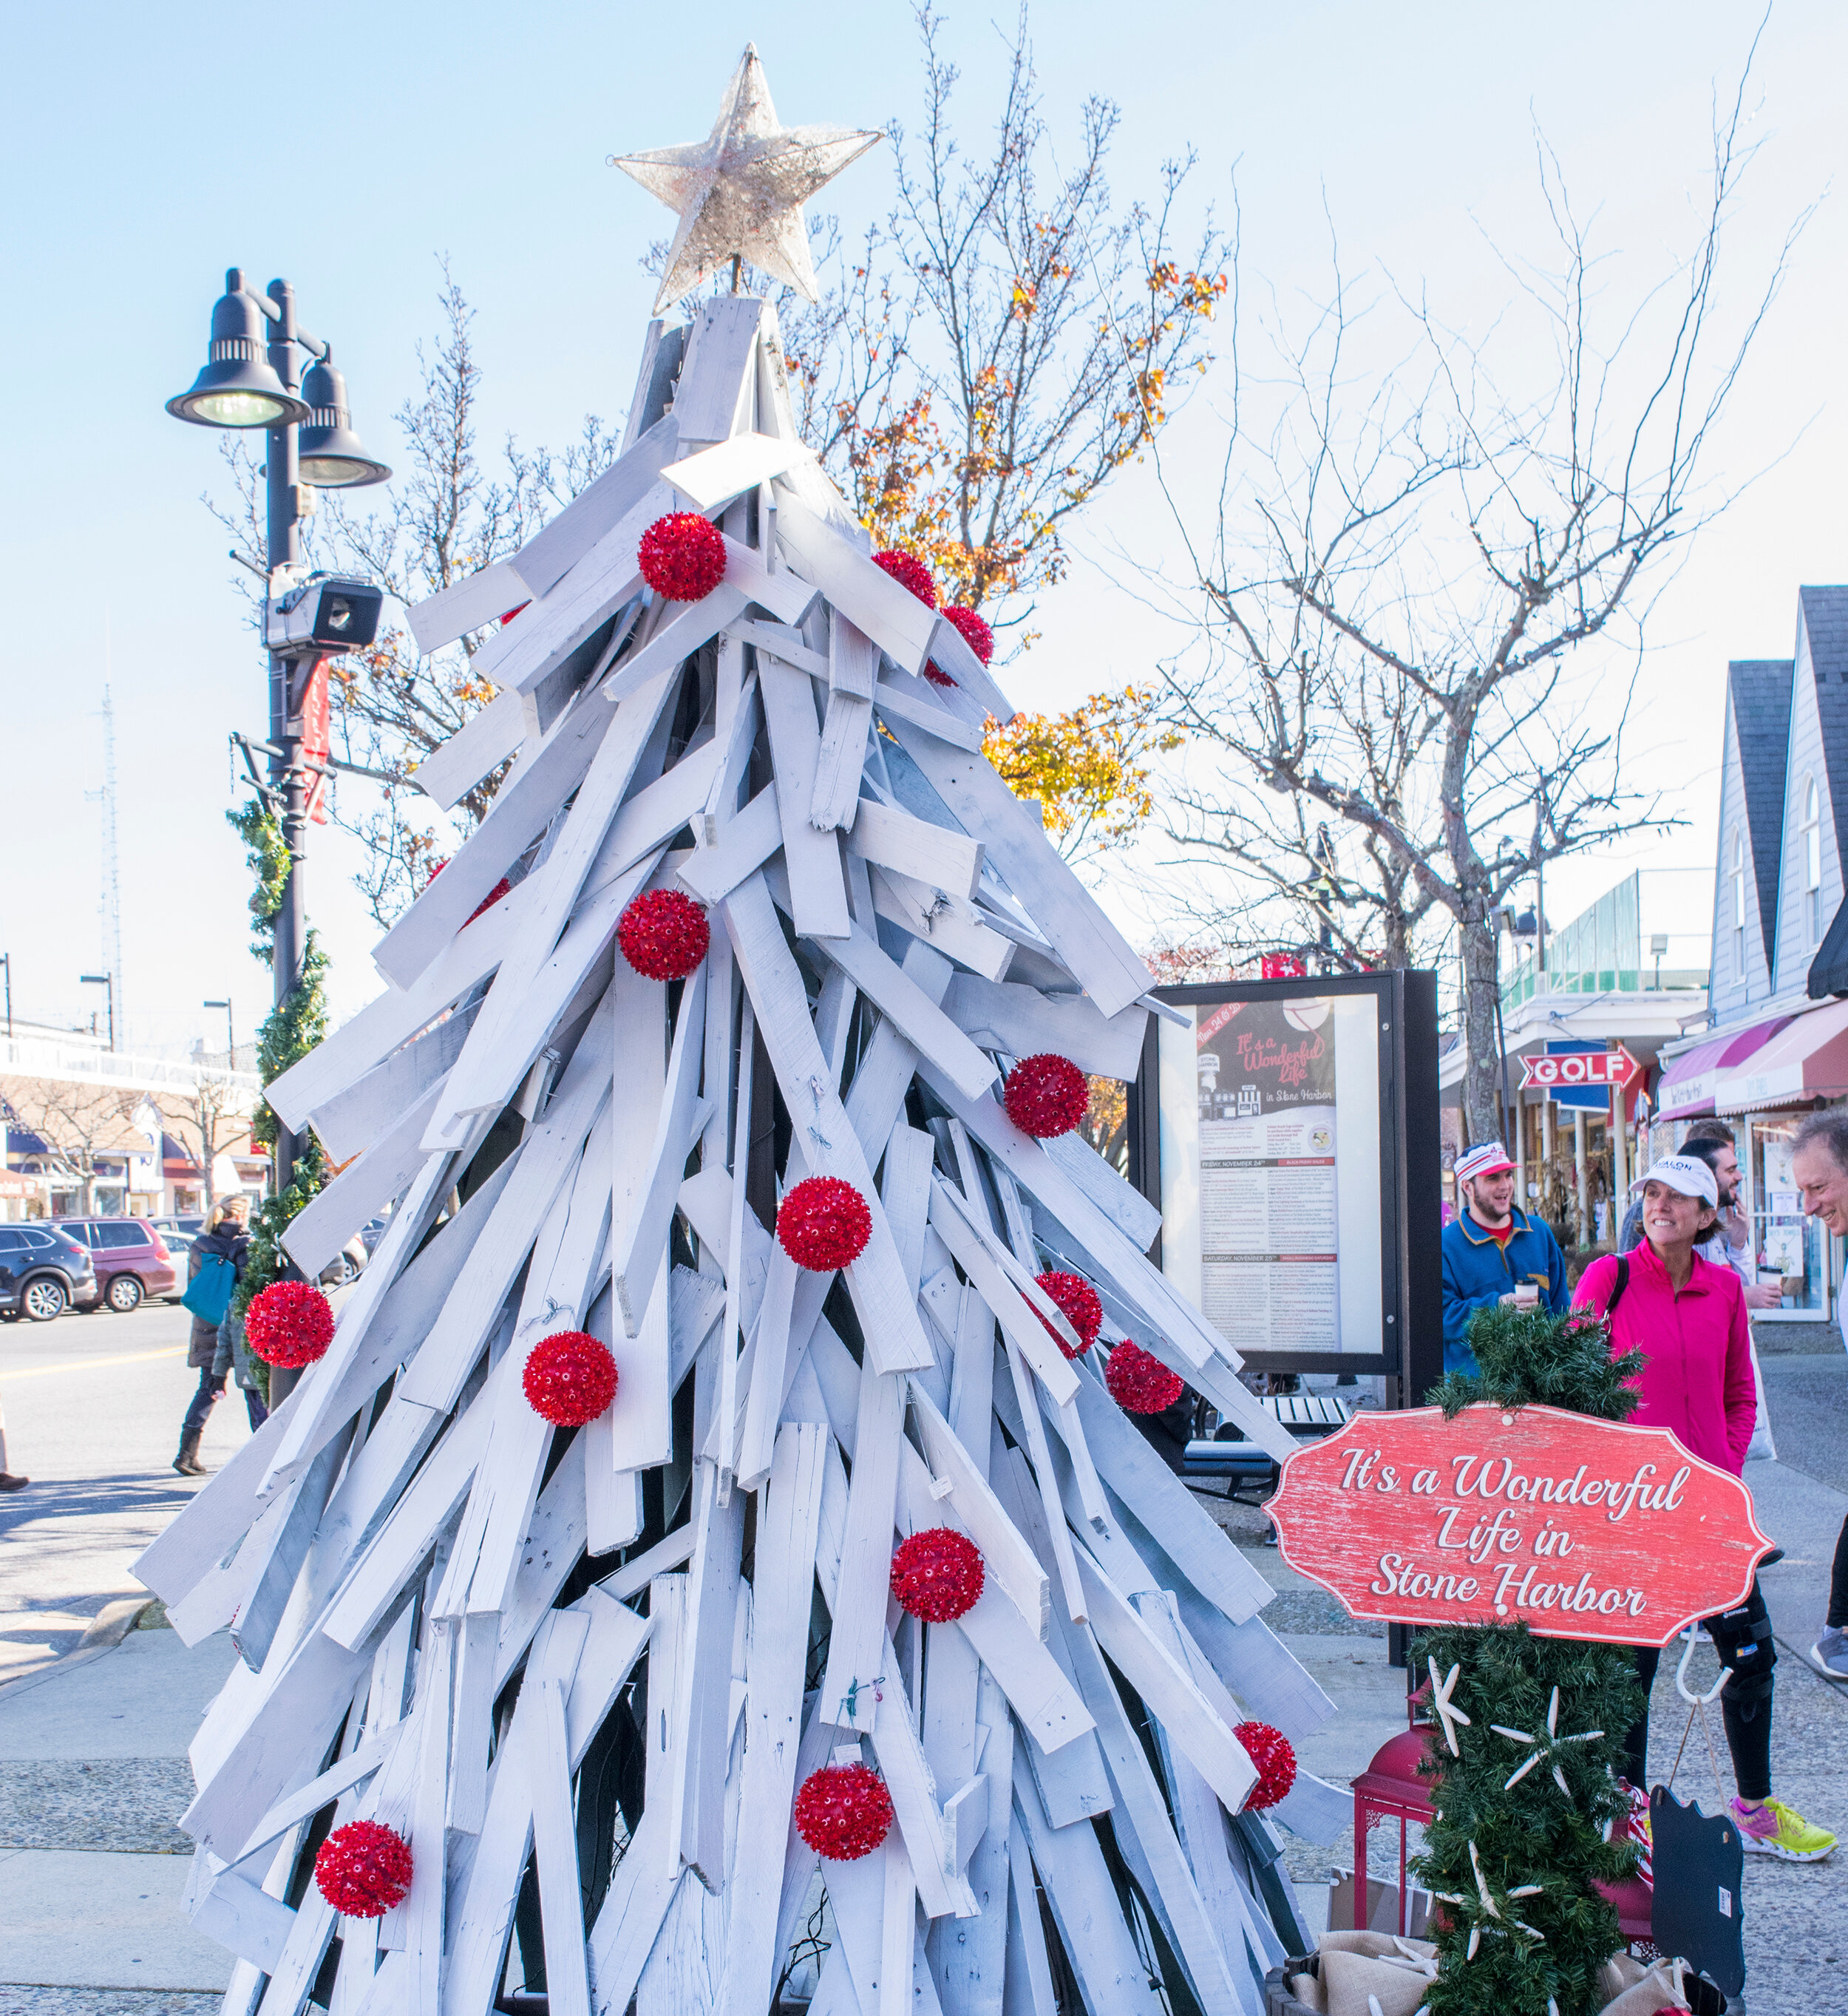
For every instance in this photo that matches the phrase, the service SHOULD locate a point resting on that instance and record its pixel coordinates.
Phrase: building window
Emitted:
(1813, 861)
(1738, 903)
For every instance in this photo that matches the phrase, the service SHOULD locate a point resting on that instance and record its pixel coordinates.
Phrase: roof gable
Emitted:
(1759, 691)
(1825, 617)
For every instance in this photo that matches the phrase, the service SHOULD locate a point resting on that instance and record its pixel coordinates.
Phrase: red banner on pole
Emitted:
(1581, 1529)
(1572, 1068)
(316, 738)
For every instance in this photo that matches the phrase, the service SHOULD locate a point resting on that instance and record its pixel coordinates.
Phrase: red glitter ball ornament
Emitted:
(1046, 1095)
(823, 1223)
(663, 934)
(1276, 1757)
(1138, 1382)
(363, 1869)
(843, 1811)
(937, 1574)
(682, 557)
(1077, 1301)
(972, 629)
(569, 1378)
(291, 1324)
(910, 572)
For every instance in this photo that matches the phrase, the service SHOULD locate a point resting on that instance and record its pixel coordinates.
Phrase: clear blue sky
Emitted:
(148, 148)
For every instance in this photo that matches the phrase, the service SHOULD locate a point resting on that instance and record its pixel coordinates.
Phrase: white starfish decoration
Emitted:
(1488, 1914)
(740, 191)
(1440, 1700)
(1546, 1748)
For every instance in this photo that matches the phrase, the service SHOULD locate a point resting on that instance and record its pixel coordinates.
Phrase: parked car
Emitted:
(347, 1264)
(44, 1271)
(187, 1227)
(131, 1258)
(371, 1232)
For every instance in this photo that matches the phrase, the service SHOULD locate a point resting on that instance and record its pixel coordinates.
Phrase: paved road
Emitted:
(93, 1405)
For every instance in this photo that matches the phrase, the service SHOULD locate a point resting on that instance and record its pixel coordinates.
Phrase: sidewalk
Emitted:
(93, 1773)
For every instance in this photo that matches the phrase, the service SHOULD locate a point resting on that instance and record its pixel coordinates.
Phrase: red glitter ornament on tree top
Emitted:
(1138, 1382)
(1077, 1301)
(682, 557)
(1046, 1096)
(910, 572)
(823, 1223)
(975, 633)
(663, 934)
(937, 1574)
(363, 1869)
(843, 1811)
(569, 1378)
(290, 1323)
(1275, 1757)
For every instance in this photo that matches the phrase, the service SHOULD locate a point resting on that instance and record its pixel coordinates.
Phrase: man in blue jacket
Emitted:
(1494, 1253)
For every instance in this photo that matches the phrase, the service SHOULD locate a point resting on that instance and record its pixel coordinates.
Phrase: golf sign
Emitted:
(1578, 1528)
(1572, 1070)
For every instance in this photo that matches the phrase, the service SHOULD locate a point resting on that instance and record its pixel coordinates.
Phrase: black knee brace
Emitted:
(1742, 1638)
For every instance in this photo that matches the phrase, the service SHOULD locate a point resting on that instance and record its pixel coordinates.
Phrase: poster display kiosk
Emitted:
(1287, 1130)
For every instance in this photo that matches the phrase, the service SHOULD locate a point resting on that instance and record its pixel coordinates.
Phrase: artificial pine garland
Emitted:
(1513, 1857)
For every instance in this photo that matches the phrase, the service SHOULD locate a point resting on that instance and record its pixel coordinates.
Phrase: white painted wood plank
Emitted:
(922, 1023)
(892, 616)
(952, 653)
(554, 1847)
(471, 603)
(698, 1797)
(927, 718)
(888, 1311)
(351, 1120)
(1028, 1989)
(716, 395)
(942, 1890)
(744, 843)
(892, 839)
(315, 1236)
(554, 1546)
(714, 476)
(1086, 941)
(1006, 1298)
(485, 740)
(551, 554)
(954, 927)
(652, 816)
(1085, 1907)
(787, 1528)
(786, 596)
(637, 1254)
(1022, 1021)
(839, 761)
(1009, 1556)
(857, 1641)
(520, 810)
(782, 640)
(812, 858)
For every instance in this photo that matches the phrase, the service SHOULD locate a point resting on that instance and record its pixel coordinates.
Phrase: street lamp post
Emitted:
(104, 980)
(230, 1032)
(310, 434)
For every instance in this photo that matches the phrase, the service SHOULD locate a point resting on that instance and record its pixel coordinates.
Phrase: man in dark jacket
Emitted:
(1494, 1252)
(226, 1238)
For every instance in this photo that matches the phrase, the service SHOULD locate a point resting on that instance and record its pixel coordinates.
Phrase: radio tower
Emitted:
(110, 907)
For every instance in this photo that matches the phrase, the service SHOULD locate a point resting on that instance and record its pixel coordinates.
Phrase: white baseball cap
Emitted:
(1491, 1159)
(1688, 1174)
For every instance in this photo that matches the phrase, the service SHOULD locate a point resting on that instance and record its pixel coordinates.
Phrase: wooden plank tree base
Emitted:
(601, 1658)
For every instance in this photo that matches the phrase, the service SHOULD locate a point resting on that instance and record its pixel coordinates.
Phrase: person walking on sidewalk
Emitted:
(224, 1238)
(1494, 1252)
(1819, 1165)
(8, 1481)
(1686, 1316)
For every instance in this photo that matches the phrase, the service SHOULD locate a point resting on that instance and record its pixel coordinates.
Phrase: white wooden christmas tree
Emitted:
(572, 1678)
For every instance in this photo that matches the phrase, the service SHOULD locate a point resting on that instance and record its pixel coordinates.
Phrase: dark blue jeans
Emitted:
(211, 1387)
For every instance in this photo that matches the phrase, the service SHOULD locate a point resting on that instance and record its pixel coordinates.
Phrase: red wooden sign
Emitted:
(1583, 1529)
(1579, 1068)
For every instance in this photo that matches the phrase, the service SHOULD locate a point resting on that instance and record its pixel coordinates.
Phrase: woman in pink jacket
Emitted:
(1688, 1317)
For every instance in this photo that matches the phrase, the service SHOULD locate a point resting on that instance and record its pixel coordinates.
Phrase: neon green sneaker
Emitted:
(1775, 1829)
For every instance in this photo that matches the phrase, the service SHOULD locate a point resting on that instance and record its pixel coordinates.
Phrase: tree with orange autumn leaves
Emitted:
(975, 371)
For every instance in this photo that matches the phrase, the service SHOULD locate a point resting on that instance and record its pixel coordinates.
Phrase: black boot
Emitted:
(187, 1462)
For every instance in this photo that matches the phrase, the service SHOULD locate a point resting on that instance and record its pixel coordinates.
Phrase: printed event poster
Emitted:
(1268, 1201)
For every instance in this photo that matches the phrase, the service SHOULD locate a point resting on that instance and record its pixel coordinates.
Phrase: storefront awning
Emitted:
(1686, 1092)
(1807, 1059)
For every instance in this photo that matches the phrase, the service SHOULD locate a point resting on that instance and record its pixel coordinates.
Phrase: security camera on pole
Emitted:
(252, 378)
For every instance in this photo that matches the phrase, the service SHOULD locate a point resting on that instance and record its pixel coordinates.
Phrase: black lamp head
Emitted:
(238, 388)
(330, 455)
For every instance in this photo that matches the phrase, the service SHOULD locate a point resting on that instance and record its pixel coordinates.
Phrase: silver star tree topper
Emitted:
(740, 191)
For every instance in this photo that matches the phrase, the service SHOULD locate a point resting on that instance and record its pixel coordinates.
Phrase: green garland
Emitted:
(289, 1032)
(1546, 1947)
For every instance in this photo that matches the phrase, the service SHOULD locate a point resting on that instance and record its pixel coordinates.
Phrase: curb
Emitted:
(105, 1632)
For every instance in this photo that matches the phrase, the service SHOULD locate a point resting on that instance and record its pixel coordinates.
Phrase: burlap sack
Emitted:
(1308, 1991)
(1659, 1988)
(1375, 1943)
(1398, 1985)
